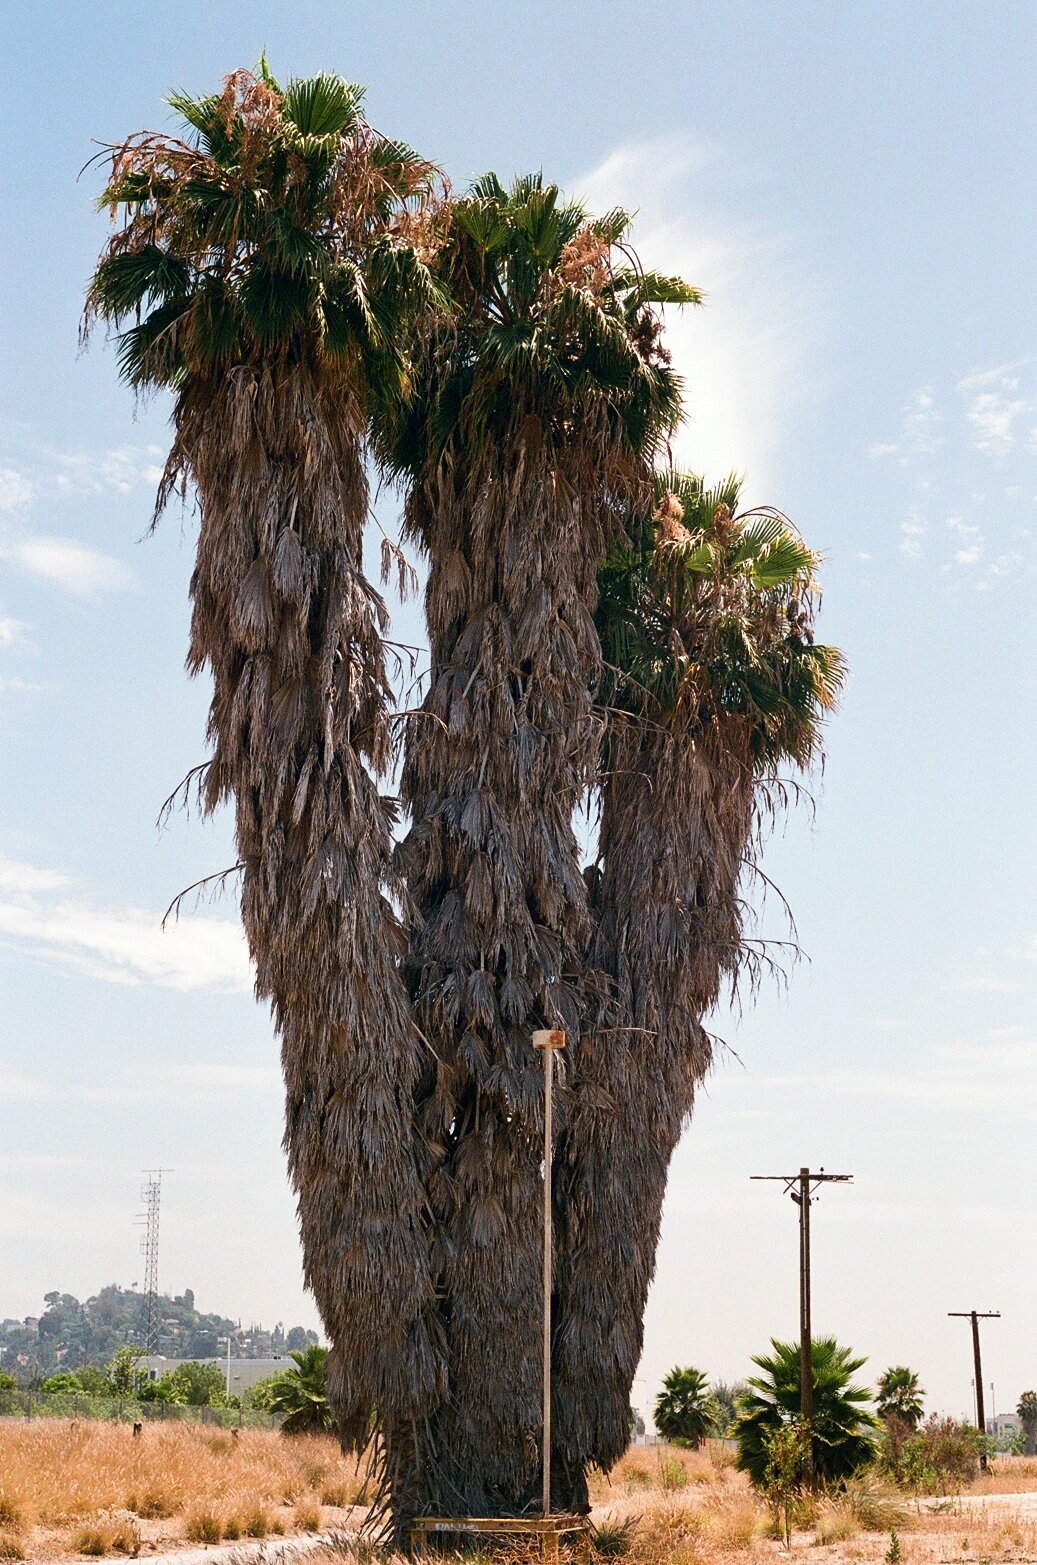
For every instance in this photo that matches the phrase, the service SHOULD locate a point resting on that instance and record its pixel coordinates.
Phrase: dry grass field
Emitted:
(93, 1489)
(72, 1492)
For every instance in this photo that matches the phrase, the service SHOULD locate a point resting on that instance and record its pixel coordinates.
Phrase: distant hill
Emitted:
(68, 1334)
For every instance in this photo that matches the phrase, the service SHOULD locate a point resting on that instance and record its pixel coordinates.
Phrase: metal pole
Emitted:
(548, 1040)
(228, 1369)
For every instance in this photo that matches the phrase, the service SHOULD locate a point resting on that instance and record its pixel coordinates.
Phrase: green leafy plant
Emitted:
(684, 1410)
(781, 1481)
(900, 1396)
(1027, 1411)
(301, 1394)
(843, 1426)
(943, 1453)
(894, 1554)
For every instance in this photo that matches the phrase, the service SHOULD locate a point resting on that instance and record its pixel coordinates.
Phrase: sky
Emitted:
(852, 187)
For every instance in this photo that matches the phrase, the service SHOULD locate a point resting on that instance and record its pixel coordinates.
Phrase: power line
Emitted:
(801, 1188)
(975, 1316)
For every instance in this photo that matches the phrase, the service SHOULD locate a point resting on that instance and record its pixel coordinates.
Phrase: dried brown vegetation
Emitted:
(95, 1489)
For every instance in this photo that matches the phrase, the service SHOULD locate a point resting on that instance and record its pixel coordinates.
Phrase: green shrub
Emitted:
(942, 1454)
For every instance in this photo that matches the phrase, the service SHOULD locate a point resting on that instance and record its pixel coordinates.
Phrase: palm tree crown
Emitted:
(301, 1394)
(705, 624)
(900, 1395)
(843, 1424)
(684, 1409)
(280, 227)
(552, 321)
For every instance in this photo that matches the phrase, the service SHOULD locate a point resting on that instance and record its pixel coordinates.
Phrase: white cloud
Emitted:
(16, 489)
(912, 533)
(14, 1086)
(742, 354)
(10, 631)
(26, 878)
(93, 472)
(993, 408)
(919, 431)
(118, 945)
(71, 565)
(971, 538)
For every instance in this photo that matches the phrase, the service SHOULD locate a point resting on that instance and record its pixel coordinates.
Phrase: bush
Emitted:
(672, 1474)
(10, 1548)
(942, 1454)
(843, 1426)
(203, 1526)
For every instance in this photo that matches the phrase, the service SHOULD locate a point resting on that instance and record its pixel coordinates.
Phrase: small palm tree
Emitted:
(843, 1426)
(684, 1410)
(712, 683)
(262, 273)
(900, 1396)
(300, 1395)
(1027, 1411)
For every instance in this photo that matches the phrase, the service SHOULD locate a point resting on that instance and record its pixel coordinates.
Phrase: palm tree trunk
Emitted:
(674, 827)
(290, 628)
(496, 762)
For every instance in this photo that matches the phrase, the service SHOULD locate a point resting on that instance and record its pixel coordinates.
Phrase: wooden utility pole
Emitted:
(975, 1316)
(548, 1040)
(801, 1188)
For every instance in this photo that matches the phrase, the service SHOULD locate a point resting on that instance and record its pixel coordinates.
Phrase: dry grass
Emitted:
(94, 1489)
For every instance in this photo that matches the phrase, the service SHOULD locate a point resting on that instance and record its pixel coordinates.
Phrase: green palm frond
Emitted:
(545, 325)
(705, 619)
(278, 224)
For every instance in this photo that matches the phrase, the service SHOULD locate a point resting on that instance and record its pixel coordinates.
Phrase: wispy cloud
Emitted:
(744, 353)
(995, 410)
(81, 571)
(17, 489)
(10, 631)
(40, 917)
(989, 534)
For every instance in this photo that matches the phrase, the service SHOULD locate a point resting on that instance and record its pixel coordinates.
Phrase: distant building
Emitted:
(1003, 1424)
(244, 1373)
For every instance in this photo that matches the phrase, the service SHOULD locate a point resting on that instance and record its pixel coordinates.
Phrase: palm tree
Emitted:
(301, 1394)
(684, 1409)
(714, 683)
(536, 410)
(842, 1425)
(900, 1396)
(261, 275)
(1027, 1411)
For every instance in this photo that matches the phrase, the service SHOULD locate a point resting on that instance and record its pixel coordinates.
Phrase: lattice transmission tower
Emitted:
(151, 1195)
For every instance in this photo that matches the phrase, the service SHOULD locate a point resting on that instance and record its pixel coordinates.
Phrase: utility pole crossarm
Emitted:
(802, 1187)
(975, 1316)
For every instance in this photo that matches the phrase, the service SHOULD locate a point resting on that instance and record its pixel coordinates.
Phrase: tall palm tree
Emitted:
(260, 273)
(713, 683)
(900, 1396)
(843, 1426)
(684, 1410)
(535, 414)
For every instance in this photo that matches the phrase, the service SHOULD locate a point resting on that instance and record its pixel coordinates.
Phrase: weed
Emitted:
(203, 1526)
(894, 1554)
